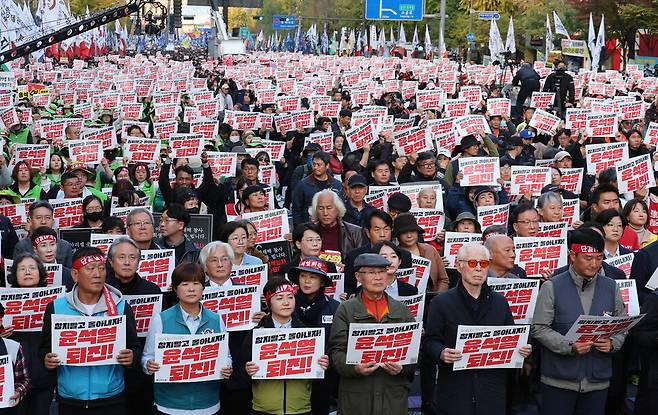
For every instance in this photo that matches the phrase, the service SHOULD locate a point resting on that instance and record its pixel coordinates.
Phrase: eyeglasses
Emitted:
(473, 263)
(130, 258)
(426, 165)
(237, 238)
(528, 222)
(31, 268)
(143, 224)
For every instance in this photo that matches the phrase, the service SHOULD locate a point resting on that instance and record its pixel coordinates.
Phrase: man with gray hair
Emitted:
(216, 258)
(503, 256)
(328, 210)
(472, 303)
(140, 228)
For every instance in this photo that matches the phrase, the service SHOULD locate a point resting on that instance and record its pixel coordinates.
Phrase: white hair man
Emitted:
(327, 210)
(471, 302)
(216, 258)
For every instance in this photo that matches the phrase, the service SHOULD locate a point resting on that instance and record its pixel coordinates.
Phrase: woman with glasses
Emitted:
(236, 235)
(306, 242)
(613, 228)
(92, 213)
(252, 237)
(253, 199)
(263, 158)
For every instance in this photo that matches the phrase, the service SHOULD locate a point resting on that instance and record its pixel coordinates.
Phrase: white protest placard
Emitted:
(360, 135)
(537, 255)
(240, 120)
(329, 109)
(471, 125)
(601, 156)
(521, 295)
(53, 275)
(455, 108)
(472, 94)
(272, 225)
(249, 274)
(431, 220)
(493, 215)
(88, 341)
(102, 241)
(552, 230)
(414, 140)
(628, 291)
(572, 179)
(17, 214)
(36, 155)
(288, 353)
(635, 173)
(651, 135)
(24, 307)
(67, 212)
(454, 241)
(145, 150)
(622, 262)
(571, 210)
(633, 110)
(106, 135)
(576, 119)
(236, 305)
(165, 129)
(421, 267)
(157, 265)
(324, 140)
(415, 304)
(430, 99)
(529, 179)
(337, 285)
(6, 382)
(544, 122)
(542, 100)
(413, 192)
(592, 328)
(378, 195)
(602, 124)
(498, 106)
(86, 151)
(275, 148)
(490, 347)
(383, 343)
(190, 357)
(144, 308)
(186, 145)
(479, 171)
(223, 164)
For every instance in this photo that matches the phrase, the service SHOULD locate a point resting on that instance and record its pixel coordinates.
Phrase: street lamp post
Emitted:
(470, 30)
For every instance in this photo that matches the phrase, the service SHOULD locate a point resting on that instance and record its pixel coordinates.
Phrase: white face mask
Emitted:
(234, 138)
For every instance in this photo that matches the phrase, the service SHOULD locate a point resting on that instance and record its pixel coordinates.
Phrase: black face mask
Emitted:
(94, 216)
(193, 210)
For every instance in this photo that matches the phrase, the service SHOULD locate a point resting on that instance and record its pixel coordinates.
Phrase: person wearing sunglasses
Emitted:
(471, 302)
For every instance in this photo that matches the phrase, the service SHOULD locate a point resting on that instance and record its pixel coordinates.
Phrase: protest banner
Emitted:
(635, 173)
(601, 156)
(337, 287)
(552, 230)
(359, 136)
(86, 151)
(288, 353)
(415, 304)
(272, 225)
(17, 214)
(132, 111)
(572, 179)
(105, 135)
(472, 94)
(288, 104)
(24, 307)
(407, 275)
(542, 100)
(421, 267)
(383, 343)
(602, 124)
(479, 171)
(145, 150)
(431, 220)
(236, 304)
(302, 119)
(622, 262)
(455, 108)
(324, 140)
(415, 140)
(493, 215)
(571, 210)
(87, 341)
(471, 125)
(190, 357)
(628, 291)
(651, 135)
(588, 328)
(275, 148)
(544, 122)
(632, 110)
(412, 190)
(186, 145)
(102, 241)
(498, 107)
(454, 241)
(199, 230)
(144, 308)
(539, 255)
(240, 120)
(430, 99)
(490, 347)
(165, 129)
(378, 195)
(157, 265)
(223, 164)
(249, 274)
(329, 109)
(521, 295)
(67, 212)
(52, 130)
(278, 253)
(6, 382)
(529, 179)
(36, 155)
(53, 274)
(165, 112)
(576, 118)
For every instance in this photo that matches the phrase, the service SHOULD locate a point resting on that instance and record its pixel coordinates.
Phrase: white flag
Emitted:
(402, 41)
(559, 27)
(549, 38)
(591, 35)
(495, 41)
(414, 41)
(510, 42)
(428, 42)
(600, 44)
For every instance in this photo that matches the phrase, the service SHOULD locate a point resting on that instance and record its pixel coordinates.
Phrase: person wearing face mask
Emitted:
(188, 199)
(92, 213)
(44, 242)
(233, 140)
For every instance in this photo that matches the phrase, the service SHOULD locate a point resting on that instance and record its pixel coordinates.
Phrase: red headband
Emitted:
(584, 249)
(281, 289)
(43, 238)
(140, 167)
(83, 261)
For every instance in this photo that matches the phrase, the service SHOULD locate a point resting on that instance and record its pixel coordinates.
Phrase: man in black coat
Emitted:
(472, 302)
(529, 79)
(645, 337)
(645, 263)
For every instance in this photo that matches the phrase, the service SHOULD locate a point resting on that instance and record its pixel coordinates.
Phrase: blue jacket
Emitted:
(88, 383)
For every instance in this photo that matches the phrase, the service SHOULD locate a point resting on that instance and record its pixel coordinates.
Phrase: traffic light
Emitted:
(178, 12)
(258, 18)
